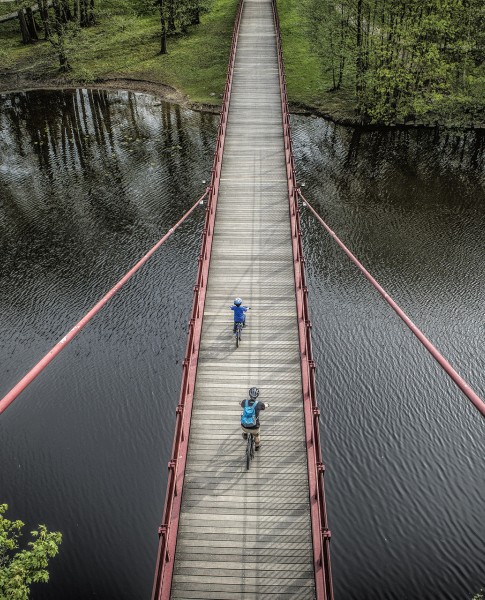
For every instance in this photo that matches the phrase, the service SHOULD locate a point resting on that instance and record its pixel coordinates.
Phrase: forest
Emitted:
(403, 60)
(372, 61)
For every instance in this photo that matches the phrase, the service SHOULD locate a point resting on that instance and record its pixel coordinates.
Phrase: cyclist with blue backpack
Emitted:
(239, 313)
(250, 416)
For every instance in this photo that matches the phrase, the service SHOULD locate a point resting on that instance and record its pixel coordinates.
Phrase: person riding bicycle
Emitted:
(239, 313)
(250, 416)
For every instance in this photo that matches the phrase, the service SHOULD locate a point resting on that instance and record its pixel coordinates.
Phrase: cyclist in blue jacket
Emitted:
(254, 427)
(239, 313)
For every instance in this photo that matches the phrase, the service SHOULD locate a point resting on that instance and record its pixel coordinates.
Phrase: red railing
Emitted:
(176, 466)
(320, 531)
(70, 335)
(460, 382)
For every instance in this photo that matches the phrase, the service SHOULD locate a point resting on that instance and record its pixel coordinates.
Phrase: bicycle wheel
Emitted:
(249, 447)
(238, 336)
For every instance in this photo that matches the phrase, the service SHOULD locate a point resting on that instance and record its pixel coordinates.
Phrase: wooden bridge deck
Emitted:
(248, 534)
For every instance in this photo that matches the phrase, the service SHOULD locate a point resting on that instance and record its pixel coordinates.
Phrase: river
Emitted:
(89, 181)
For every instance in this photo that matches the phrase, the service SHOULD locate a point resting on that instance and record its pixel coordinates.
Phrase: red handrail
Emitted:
(460, 382)
(170, 520)
(320, 531)
(53, 352)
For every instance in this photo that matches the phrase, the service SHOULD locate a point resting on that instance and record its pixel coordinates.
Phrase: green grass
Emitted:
(8, 7)
(308, 84)
(125, 45)
(303, 76)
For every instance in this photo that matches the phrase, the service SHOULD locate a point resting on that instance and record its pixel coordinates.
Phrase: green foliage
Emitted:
(20, 568)
(388, 61)
(125, 44)
(403, 60)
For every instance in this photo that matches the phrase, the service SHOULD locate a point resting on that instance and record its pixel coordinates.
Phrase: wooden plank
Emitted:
(268, 549)
(298, 560)
(300, 594)
(241, 569)
(248, 583)
(246, 534)
(223, 537)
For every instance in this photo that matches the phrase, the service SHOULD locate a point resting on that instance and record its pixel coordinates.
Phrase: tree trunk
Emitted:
(44, 17)
(64, 65)
(65, 11)
(171, 16)
(91, 17)
(24, 30)
(359, 61)
(332, 62)
(163, 23)
(83, 13)
(31, 25)
(344, 25)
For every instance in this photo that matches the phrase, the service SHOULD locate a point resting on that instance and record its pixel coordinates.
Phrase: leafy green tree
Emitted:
(164, 19)
(404, 59)
(60, 36)
(177, 15)
(20, 568)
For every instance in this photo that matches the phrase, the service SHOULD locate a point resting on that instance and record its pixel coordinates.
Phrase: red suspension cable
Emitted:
(40, 366)
(460, 382)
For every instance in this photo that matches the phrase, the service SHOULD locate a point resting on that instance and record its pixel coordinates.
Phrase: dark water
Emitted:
(88, 182)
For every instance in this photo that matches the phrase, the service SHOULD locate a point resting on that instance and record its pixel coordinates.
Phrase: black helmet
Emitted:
(253, 393)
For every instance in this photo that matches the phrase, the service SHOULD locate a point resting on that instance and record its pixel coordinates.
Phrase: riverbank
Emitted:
(122, 52)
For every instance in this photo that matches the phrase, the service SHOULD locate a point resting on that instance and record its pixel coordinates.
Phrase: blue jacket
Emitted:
(239, 313)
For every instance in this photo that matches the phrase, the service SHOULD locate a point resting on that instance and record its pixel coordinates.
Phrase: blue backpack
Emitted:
(248, 416)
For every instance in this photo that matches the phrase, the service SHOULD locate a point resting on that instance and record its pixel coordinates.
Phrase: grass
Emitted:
(307, 82)
(124, 45)
(8, 7)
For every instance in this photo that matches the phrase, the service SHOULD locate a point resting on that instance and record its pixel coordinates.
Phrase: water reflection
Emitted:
(87, 185)
(89, 181)
(402, 445)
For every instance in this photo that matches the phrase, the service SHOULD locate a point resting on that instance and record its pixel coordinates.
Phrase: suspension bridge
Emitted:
(228, 533)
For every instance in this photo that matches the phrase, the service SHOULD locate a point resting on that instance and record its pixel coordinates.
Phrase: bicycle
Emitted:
(251, 438)
(237, 334)
(249, 450)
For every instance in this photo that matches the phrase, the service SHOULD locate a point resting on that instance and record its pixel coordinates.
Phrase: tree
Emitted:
(20, 568)
(44, 17)
(162, 5)
(28, 27)
(60, 32)
(404, 59)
